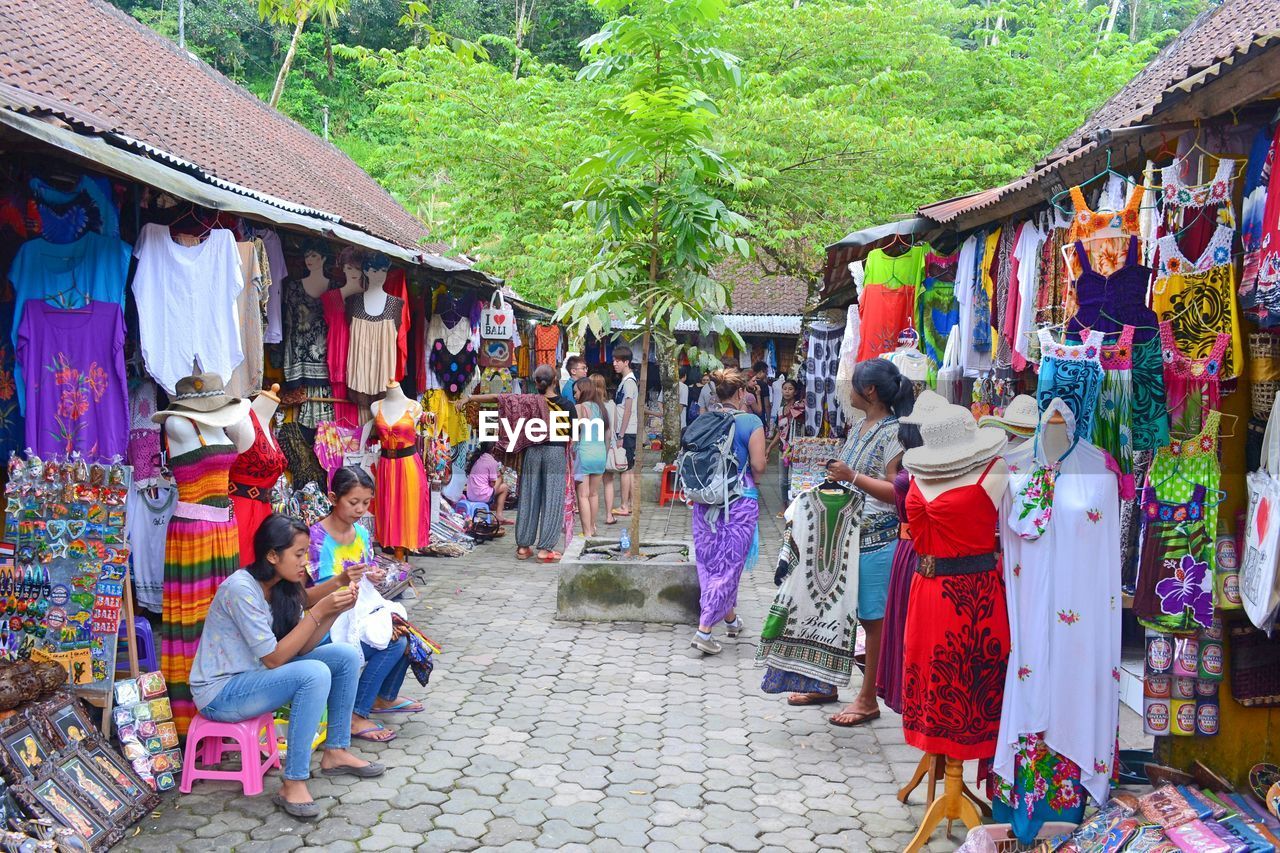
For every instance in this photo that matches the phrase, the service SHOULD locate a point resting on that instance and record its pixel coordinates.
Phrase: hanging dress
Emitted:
(252, 476)
(306, 352)
(937, 311)
(823, 414)
(887, 302)
(1175, 571)
(1113, 425)
(453, 354)
(1192, 384)
(401, 508)
(1072, 373)
(201, 550)
(1062, 689)
(372, 348)
(1106, 254)
(1199, 299)
(956, 642)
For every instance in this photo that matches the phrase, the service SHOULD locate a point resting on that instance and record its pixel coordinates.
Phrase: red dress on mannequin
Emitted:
(956, 644)
(252, 475)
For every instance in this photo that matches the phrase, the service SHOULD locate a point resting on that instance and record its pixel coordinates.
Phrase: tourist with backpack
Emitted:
(722, 457)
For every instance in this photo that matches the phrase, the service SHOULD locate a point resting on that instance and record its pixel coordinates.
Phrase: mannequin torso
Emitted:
(316, 281)
(997, 480)
(392, 408)
(375, 297)
(1055, 441)
(184, 435)
(264, 406)
(355, 280)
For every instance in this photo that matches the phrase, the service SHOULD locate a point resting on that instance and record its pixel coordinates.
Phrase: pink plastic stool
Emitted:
(256, 757)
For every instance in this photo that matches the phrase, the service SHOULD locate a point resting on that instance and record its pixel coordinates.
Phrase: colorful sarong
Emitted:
(721, 551)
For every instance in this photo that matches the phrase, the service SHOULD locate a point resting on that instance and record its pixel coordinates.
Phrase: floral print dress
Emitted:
(1175, 570)
(1062, 687)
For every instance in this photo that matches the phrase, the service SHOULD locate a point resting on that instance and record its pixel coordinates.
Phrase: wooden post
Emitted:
(951, 806)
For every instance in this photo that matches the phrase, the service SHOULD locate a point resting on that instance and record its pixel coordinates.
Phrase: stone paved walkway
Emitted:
(574, 736)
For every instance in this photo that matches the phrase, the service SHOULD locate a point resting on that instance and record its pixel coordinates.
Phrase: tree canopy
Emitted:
(848, 113)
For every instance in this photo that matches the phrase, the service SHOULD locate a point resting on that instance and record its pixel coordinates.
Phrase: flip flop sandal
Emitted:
(526, 555)
(858, 719)
(806, 700)
(623, 513)
(611, 520)
(302, 811)
(372, 770)
(364, 734)
(404, 706)
(552, 557)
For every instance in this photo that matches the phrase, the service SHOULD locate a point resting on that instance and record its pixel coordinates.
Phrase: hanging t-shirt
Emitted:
(277, 271)
(77, 397)
(186, 299)
(69, 275)
(66, 215)
(147, 524)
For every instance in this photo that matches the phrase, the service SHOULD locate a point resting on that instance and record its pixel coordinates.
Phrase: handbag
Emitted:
(1259, 590)
(1255, 668)
(615, 461)
(484, 525)
(419, 648)
(497, 320)
(495, 354)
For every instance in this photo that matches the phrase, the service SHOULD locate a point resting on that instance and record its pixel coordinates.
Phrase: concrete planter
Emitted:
(594, 588)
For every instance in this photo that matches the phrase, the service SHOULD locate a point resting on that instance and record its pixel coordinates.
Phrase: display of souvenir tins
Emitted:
(148, 735)
(62, 588)
(1180, 683)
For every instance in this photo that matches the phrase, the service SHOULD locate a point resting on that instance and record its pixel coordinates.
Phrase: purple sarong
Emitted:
(721, 555)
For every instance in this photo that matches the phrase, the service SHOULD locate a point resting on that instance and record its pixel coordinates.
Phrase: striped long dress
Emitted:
(199, 555)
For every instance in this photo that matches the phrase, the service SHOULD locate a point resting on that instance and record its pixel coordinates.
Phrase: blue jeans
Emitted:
(384, 672)
(326, 675)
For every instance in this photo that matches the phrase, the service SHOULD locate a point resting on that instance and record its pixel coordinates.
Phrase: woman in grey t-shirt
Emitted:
(261, 650)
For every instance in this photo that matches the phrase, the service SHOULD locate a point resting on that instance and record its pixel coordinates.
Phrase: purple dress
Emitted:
(889, 670)
(76, 396)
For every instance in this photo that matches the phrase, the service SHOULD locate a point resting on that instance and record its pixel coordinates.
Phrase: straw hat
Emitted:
(953, 443)
(202, 398)
(1020, 418)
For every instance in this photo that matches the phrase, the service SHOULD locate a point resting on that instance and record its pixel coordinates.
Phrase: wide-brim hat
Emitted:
(202, 397)
(1020, 418)
(953, 442)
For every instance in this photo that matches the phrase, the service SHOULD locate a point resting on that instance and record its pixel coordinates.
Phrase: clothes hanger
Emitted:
(830, 486)
(1104, 173)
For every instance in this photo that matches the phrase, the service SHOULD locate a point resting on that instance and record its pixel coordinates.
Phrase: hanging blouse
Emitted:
(306, 347)
(1217, 191)
(339, 340)
(1105, 252)
(1192, 384)
(371, 351)
(884, 312)
(1072, 373)
(1175, 571)
(546, 341)
(453, 353)
(937, 311)
(1198, 298)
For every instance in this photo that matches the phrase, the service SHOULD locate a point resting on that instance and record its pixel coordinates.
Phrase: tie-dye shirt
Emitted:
(329, 557)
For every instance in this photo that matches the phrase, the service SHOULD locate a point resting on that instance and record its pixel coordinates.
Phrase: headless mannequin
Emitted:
(375, 296)
(392, 407)
(957, 800)
(354, 280)
(316, 281)
(264, 406)
(1055, 441)
(184, 433)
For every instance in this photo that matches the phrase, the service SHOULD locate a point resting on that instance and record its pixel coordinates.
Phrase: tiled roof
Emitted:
(756, 292)
(1217, 34)
(103, 65)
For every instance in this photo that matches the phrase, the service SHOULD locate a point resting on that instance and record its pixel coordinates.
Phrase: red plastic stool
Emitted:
(667, 487)
(256, 756)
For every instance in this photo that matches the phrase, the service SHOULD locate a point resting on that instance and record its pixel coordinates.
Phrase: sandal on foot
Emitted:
(611, 520)
(369, 734)
(372, 770)
(622, 512)
(550, 557)
(800, 700)
(302, 811)
(857, 719)
(404, 706)
(522, 554)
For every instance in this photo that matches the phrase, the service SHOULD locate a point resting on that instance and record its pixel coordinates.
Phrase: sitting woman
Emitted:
(484, 481)
(260, 650)
(340, 549)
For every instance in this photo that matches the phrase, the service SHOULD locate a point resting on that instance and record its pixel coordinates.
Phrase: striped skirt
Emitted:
(199, 555)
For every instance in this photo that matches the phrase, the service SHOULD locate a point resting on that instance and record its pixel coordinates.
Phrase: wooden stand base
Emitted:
(951, 806)
(931, 765)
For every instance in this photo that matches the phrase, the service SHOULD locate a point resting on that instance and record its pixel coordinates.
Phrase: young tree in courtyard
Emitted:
(296, 13)
(653, 193)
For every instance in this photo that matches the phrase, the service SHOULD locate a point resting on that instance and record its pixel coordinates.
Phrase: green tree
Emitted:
(296, 13)
(652, 194)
